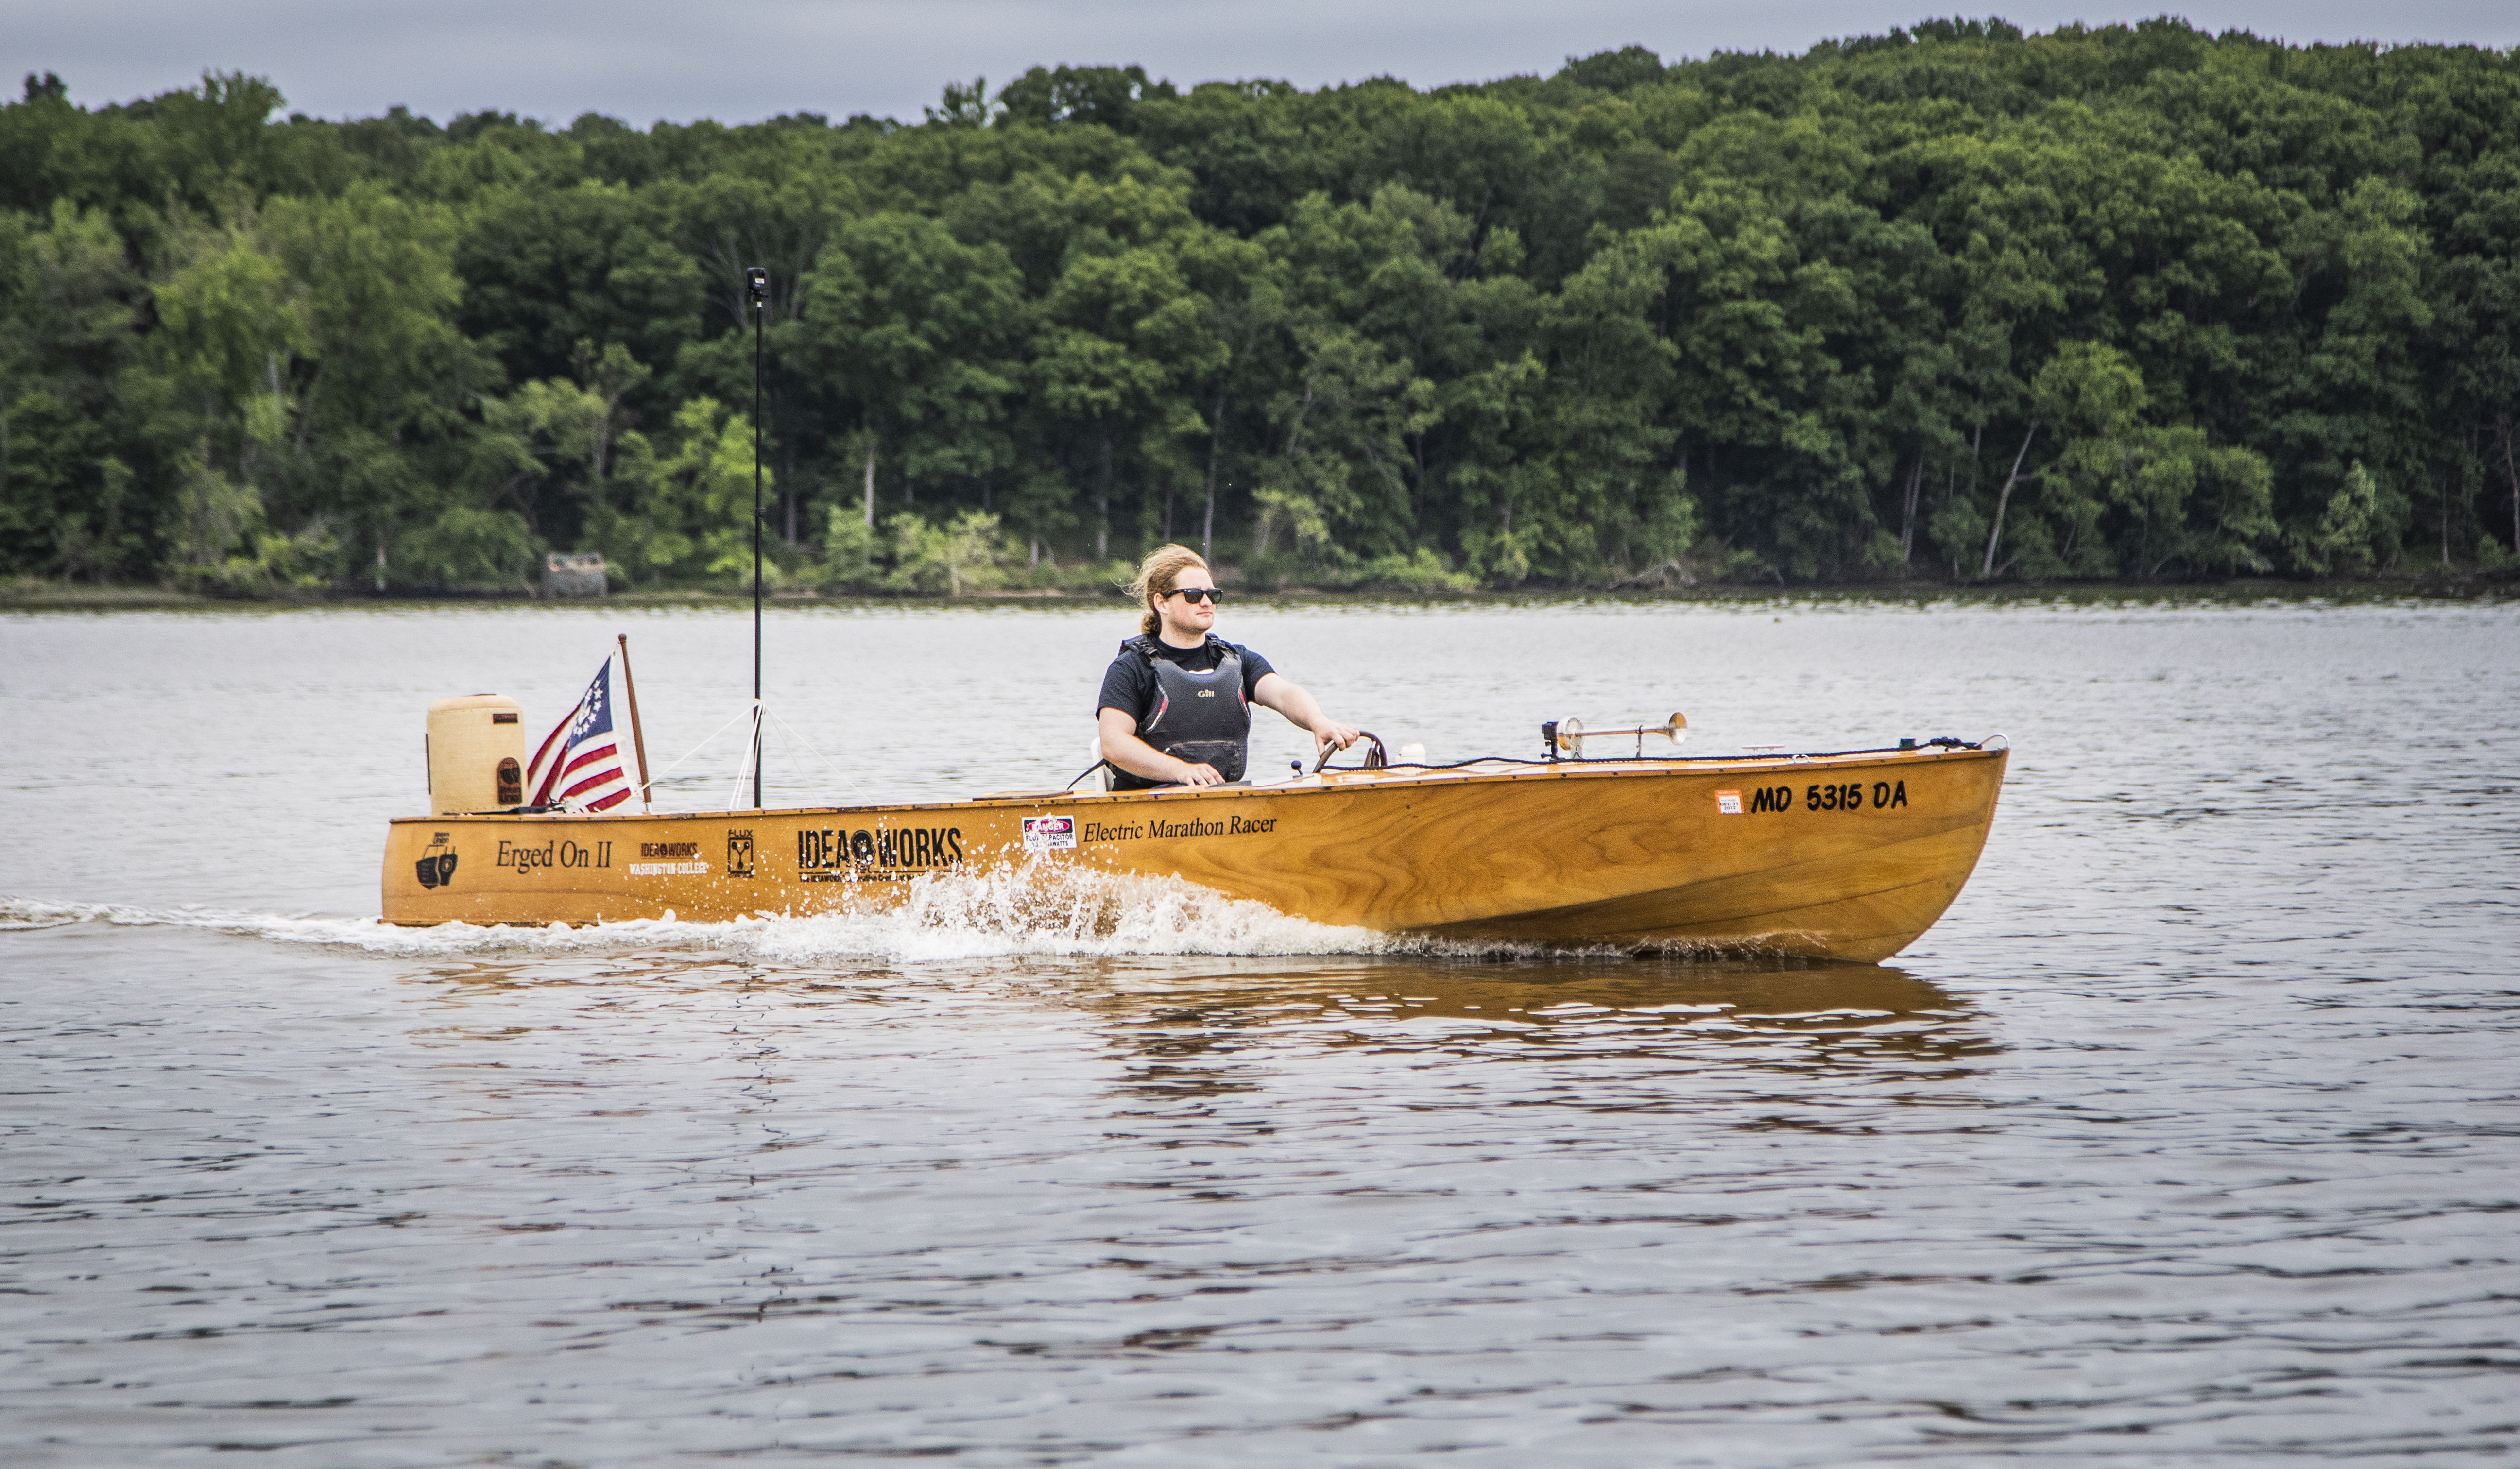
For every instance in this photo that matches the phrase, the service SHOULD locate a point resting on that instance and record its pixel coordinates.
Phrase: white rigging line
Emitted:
(696, 749)
(743, 768)
(757, 711)
(802, 742)
(764, 717)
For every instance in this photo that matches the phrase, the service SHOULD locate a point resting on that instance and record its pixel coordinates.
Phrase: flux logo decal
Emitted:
(739, 853)
(436, 865)
(1050, 833)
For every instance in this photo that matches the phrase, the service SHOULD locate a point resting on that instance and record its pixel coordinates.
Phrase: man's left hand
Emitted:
(1332, 735)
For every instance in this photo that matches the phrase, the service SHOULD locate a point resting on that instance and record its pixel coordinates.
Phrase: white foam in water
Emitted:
(954, 916)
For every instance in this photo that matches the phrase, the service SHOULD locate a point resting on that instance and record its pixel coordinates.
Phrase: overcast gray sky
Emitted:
(744, 60)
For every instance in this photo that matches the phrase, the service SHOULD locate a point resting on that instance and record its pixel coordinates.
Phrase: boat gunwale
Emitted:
(1318, 783)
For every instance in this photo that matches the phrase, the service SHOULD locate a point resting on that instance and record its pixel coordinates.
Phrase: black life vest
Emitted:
(1198, 717)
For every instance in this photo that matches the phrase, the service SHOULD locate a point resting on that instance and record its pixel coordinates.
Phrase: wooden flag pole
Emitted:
(638, 742)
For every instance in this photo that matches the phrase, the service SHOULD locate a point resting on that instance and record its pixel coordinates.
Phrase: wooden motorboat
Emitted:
(1844, 856)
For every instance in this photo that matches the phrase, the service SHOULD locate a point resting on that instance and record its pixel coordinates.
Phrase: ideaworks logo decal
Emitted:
(832, 854)
(669, 860)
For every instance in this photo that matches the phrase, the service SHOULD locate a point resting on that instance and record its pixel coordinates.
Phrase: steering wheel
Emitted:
(1374, 759)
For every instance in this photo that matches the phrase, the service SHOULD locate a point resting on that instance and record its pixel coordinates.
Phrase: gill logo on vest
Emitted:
(1207, 693)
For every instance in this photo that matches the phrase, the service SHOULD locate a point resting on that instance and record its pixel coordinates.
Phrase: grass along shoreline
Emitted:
(34, 595)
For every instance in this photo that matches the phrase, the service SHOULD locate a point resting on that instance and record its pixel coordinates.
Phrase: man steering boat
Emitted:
(1176, 703)
(1712, 854)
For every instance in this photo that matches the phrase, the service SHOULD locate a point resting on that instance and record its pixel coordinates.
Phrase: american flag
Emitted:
(579, 765)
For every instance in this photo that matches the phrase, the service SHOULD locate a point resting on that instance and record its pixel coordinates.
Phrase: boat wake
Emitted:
(941, 916)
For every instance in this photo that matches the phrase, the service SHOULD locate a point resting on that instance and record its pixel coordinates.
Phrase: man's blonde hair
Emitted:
(1158, 575)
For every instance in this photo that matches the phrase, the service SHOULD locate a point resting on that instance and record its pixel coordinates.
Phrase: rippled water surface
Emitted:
(2189, 1137)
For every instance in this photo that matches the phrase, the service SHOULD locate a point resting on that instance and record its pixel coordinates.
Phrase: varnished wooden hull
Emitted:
(1847, 857)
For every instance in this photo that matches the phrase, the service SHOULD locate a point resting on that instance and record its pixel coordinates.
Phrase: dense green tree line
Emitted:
(1952, 302)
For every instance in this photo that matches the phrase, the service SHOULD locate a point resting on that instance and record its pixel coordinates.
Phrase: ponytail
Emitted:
(1157, 574)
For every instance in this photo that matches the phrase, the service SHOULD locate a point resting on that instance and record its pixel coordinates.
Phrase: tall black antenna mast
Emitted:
(756, 281)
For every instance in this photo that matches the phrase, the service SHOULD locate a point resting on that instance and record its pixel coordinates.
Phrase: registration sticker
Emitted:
(1048, 833)
(1729, 802)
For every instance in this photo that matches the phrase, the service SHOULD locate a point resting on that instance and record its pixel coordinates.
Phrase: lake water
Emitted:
(2191, 1135)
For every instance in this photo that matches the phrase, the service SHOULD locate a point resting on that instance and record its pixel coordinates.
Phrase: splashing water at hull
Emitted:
(937, 917)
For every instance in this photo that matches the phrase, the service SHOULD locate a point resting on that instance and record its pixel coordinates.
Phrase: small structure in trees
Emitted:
(574, 573)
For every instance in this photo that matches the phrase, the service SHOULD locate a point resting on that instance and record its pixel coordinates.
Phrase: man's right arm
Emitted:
(1127, 687)
(1123, 748)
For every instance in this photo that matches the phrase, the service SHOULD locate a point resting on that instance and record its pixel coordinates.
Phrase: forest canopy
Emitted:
(1953, 302)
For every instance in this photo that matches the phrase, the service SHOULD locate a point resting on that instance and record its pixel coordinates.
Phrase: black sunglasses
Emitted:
(1197, 594)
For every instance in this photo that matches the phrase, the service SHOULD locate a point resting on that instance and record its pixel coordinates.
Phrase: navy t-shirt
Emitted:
(1129, 685)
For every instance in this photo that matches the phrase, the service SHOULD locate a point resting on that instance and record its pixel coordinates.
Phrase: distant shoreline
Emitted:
(2477, 586)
